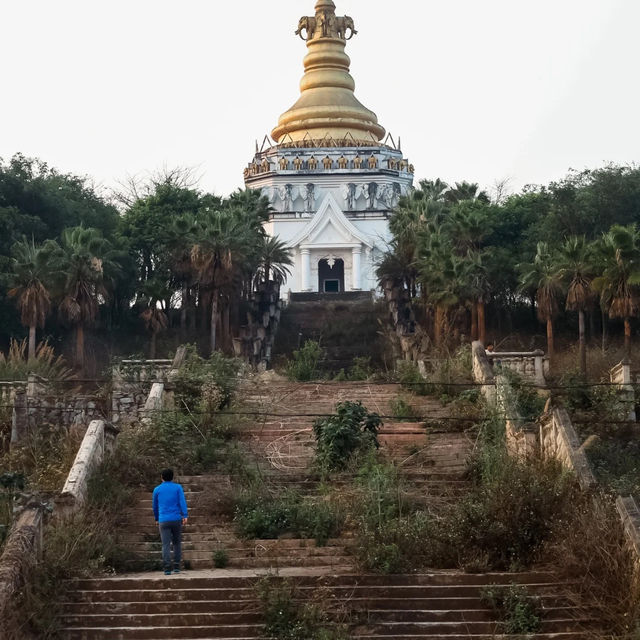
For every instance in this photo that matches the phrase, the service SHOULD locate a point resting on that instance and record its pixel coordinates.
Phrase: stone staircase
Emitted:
(434, 606)
(222, 603)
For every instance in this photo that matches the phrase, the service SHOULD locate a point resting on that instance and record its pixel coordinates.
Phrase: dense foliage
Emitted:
(172, 256)
(564, 250)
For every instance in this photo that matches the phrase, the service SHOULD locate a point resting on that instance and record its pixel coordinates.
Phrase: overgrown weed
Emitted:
(288, 615)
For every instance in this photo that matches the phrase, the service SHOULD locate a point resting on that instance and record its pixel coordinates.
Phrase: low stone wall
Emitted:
(21, 551)
(529, 365)
(559, 441)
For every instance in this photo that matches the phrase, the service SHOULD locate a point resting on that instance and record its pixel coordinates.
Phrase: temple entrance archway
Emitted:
(331, 275)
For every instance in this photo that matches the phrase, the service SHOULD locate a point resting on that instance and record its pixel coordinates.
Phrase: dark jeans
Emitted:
(171, 532)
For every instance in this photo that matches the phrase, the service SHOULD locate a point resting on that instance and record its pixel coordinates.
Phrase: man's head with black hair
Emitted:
(167, 475)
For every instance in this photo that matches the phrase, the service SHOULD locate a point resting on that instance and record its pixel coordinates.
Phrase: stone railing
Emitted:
(625, 377)
(520, 436)
(497, 391)
(98, 441)
(483, 372)
(22, 550)
(142, 370)
(531, 365)
(132, 381)
(559, 441)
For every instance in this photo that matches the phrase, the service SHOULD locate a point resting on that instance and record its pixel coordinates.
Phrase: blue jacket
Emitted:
(169, 503)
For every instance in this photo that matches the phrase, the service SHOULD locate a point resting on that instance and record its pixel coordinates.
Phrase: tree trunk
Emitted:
(214, 318)
(183, 310)
(152, 347)
(437, 338)
(80, 347)
(474, 321)
(482, 322)
(583, 346)
(550, 350)
(627, 337)
(604, 329)
(226, 324)
(32, 342)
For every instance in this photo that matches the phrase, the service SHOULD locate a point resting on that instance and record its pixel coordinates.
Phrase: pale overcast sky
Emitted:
(477, 89)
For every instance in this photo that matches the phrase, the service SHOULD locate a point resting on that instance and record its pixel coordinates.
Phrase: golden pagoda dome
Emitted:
(327, 112)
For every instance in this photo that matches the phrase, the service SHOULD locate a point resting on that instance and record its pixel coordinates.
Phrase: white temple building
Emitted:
(330, 178)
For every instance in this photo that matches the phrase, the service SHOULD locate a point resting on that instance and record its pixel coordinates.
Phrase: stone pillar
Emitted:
(306, 269)
(356, 268)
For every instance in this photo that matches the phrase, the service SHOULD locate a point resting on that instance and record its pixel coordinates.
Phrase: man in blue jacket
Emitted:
(170, 511)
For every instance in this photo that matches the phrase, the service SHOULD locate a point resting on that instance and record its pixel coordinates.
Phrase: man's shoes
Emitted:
(167, 573)
(176, 571)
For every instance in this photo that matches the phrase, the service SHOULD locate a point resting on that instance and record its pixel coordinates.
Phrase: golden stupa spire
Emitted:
(327, 108)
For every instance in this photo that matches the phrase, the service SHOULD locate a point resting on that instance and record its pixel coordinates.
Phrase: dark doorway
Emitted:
(331, 277)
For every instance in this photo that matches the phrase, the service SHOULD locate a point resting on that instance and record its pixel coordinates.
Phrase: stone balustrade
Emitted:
(98, 440)
(559, 441)
(142, 370)
(531, 365)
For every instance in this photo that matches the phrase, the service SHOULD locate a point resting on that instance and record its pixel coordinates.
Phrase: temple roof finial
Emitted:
(328, 106)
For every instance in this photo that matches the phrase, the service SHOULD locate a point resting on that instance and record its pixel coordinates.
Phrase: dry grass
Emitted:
(16, 366)
(599, 363)
(590, 548)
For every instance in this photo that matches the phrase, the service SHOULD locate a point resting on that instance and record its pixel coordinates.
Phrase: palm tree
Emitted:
(221, 240)
(180, 243)
(84, 263)
(466, 191)
(274, 259)
(154, 318)
(619, 254)
(543, 277)
(29, 285)
(576, 269)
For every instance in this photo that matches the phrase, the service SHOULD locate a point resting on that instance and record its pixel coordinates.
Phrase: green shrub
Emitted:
(261, 516)
(205, 386)
(304, 365)
(400, 409)
(410, 378)
(529, 402)
(220, 559)
(519, 610)
(361, 369)
(339, 436)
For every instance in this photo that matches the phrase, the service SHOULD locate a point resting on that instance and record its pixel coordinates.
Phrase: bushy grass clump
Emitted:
(305, 364)
(259, 515)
